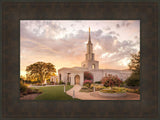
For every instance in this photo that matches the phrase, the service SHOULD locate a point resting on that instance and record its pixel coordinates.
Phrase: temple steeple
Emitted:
(89, 40)
(90, 62)
(89, 55)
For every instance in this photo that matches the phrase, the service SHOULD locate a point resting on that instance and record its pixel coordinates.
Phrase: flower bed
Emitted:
(97, 87)
(114, 92)
(133, 90)
(86, 89)
(24, 90)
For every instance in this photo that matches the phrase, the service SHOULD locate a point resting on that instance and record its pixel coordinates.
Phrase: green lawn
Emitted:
(54, 93)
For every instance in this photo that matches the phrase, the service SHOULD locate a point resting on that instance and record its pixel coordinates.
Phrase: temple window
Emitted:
(93, 66)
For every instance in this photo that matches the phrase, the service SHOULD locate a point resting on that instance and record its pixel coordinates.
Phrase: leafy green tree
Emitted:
(134, 65)
(40, 71)
(133, 80)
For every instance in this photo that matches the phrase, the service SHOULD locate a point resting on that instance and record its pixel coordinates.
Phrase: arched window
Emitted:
(93, 66)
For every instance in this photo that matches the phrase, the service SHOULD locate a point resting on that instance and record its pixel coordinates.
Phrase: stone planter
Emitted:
(112, 94)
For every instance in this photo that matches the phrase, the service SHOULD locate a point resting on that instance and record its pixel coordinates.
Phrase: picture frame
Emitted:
(13, 12)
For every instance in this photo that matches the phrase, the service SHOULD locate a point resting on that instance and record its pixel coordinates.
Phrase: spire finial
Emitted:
(89, 41)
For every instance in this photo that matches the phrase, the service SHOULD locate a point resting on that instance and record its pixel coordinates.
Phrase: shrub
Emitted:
(92, 85)
(137, 91)
(87, 83)
(68, 83)
(23, 87)
(51, 83)
(61, 82)
(88, 76)
(24, 90)
(38, 84)
(29, 91)
(114, 90)
(28, 81)
(97, 87)
(35, 90)
(111, 80)
(84, 87)
(98, 82)
(133, 90)
(133, 80)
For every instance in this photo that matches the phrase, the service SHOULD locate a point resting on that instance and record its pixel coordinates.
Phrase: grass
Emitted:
(54, 93)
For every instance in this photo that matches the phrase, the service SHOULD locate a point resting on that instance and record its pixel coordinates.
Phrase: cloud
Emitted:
(73, 44)
(113, 33)
(117, 25)
(50, 40)
(127, 24)
(39, 29)
(123, 24)
(136, 37)
(107, 28)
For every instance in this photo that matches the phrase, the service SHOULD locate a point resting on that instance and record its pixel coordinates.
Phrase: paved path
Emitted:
(96, 96)
(80, 95)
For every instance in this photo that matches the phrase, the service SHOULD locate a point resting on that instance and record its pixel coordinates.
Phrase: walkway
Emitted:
(96, 96)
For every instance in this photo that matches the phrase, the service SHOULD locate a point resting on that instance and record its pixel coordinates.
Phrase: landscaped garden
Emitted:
(109, 84)
(25, 90)
(46, 92)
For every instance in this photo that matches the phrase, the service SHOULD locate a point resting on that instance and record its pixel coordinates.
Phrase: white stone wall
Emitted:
(73, 72)
(98, 74)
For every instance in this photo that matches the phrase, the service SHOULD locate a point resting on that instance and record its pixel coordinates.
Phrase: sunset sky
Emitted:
(63, 42)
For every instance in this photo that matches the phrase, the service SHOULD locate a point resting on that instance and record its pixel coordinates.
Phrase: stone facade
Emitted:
(75, 75)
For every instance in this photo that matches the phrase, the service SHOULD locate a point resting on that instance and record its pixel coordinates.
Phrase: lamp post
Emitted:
(73, 94)
(94, 89)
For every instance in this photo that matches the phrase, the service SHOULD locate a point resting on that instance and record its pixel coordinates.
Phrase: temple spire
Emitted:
(89, 41)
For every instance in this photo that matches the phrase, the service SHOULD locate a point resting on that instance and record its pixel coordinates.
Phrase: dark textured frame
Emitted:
(12, 13)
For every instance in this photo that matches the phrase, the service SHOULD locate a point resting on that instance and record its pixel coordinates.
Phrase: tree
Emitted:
(40, 71)
(22, 78)
(134, 65)
(133, 80)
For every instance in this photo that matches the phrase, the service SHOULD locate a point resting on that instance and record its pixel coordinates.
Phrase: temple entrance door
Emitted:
(77, 80)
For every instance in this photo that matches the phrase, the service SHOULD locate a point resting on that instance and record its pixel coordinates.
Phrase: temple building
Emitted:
(75, 75)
